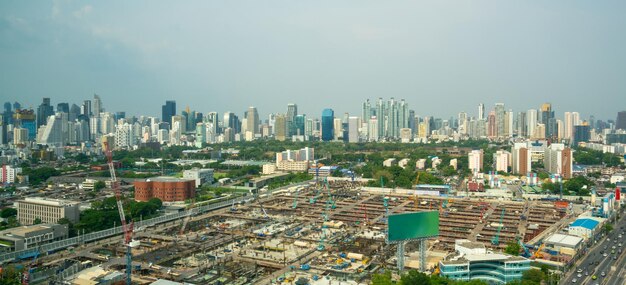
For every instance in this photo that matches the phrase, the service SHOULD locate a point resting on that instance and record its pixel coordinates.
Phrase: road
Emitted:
(595, 262)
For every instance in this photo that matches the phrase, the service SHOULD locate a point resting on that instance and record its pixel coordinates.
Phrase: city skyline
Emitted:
(223, 57)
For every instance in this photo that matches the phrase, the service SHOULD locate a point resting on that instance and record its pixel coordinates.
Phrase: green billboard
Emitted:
(409, 226)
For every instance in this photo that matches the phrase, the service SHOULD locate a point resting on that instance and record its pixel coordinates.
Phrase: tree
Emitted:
(99, 185)
(37, 221)
(608, 227)
(512, 248)
(533, 275)
(8, 212)
(157, 202)
(382, 279)
(414, 277)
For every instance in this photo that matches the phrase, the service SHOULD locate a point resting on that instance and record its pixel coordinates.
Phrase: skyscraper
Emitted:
(43, 112)
(167, 111)
(620, 123)
(280, 127)
(531, 116)
(481, 111)
(252, 120)
(328, 118)
(292, 112)
(97, 106)
(500, 120)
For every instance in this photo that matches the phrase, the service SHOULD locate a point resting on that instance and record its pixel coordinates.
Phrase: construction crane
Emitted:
(325, 219)
(330, 196)
(538, 253)
(188, 217)
(127, 228)
(496, 238)
(526, 251)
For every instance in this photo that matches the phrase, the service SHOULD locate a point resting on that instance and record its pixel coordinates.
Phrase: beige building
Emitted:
(47, 210)
(288, 165)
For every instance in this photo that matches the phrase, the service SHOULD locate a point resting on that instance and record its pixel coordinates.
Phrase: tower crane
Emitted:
(127, 228)
(496, 238)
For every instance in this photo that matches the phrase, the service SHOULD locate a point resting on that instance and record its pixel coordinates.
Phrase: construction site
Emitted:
(319, 233)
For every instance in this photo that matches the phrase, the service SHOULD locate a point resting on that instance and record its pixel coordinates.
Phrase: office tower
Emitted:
(252, 120)
(167, 111)
(500, 120)
(200, 135)
(462, 129)
(280, 127)
(3, 131)
(403, 116)
(547, 118)
(475, 160)
(292, 112)
(7, 114)
(120, 115)
(521, 123)
(582, 133)
(620, 123)
(180, 122)
(381, 117)
(74, 112)
(85, 108)
(481, 111)
(63, 108)
(366, 111)
(372, 131)
(571, 119)
(353, 129)
(521, 159)
(232, 121)
(411, 119)
(123, 134)
(509, 123)
(212, 118)
(531, 115)
(558, 160)
(492, 130)
(338, 127)
(328, 118)
(299, 125)
(97, 105)
(51, 133)
(43, 112)
(20, 136)
(26, 119)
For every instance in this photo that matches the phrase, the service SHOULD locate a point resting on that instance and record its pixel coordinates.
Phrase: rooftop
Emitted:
(585, 223)
(49, 202)
(567, 240)
(167, 179)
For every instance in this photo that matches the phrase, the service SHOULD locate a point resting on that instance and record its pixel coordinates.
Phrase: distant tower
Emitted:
(43, 112)
(97, 105)
(328, 117)
(621, 120)
(252, 120)
(167, 111)
(481, 111)
(292, 112)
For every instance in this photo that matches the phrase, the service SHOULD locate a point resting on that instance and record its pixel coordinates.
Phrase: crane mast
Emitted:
(127, 228)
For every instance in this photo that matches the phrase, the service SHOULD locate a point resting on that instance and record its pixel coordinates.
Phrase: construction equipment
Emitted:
(496, 238)
(188, 217)
(295, 200)
(526, 251)
(127, 229)
(538, 253)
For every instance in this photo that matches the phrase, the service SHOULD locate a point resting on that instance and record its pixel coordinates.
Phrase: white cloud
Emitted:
(82, 12)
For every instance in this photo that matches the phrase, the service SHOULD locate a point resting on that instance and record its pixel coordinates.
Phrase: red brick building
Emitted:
(168, 189)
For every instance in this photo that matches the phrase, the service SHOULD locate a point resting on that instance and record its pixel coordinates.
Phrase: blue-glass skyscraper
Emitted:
(328, 118)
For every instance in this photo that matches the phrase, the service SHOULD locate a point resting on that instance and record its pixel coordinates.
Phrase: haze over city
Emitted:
(443, 57)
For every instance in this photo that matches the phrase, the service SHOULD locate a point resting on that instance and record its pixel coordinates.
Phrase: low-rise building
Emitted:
(290, 165)
(168, 189)
(200, 175)
(585, 227)
(322, 171)
(566, 244)
(47, 210)
(472, 262)
(390, 162)
(269, 169)
(26, 237)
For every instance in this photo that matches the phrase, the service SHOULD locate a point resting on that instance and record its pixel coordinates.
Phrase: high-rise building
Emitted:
(366, 112)
(328, 118)
(167, 111)
(492, 130)
(232, 121)
(280, 127)
(299, 124)
(502, 160)
(521, 159)
(52, 132)
(582, 133)
(43, 112)
(547, 118)
(500, 114)
(85, 108)
(531, 116)
(620, 123)
(292, 112)
(522, 124)
(558, 160)
(481, 111)
(475, 160)
(353, 129)
(97, 105)
(252, 120)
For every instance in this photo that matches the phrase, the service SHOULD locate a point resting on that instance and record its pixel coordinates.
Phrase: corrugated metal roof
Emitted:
(586, 223)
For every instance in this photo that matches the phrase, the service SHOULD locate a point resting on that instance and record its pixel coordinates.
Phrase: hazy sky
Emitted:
(441, 56)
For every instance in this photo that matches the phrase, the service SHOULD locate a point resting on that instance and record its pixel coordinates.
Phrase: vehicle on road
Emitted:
(603, 274)
(594, 277)
(579, 270)
(574, 280)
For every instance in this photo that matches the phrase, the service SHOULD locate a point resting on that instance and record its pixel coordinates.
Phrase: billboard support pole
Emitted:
(422, 245)
(400, 255)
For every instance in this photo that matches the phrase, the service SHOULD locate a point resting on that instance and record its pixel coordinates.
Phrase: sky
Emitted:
(442, 57)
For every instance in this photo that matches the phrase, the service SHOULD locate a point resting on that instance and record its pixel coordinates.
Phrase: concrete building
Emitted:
(26, 237)
(558, 160)
(585, 227)
(269, 169)
(420, 164)
(403, 162)
(475, 160)
(168, 189)
(289, 165)
(473, 262)
(406, 135)
(353, 129)
(8, 174)
(521, 158)
(502, 159)
(49, 211)
(565, 244)
(454, 163)
(200, 175)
